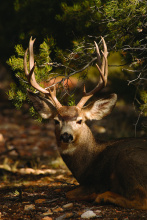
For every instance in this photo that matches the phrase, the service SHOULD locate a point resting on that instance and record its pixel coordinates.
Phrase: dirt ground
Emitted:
(33, 178)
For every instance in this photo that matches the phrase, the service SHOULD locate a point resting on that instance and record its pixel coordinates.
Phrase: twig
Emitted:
(130, 81)
(138, 121)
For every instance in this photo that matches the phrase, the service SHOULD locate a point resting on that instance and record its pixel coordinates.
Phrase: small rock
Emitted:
(68, 206)
(29, 207)
(88, 214)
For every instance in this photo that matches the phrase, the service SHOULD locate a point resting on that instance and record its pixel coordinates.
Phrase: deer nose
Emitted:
(66, 138)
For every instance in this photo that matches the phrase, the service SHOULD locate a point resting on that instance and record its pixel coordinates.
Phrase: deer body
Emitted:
(100, 165)
(118, 166)
(113, 166)
(114, 171)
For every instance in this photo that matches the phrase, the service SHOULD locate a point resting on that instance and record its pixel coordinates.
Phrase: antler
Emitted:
(103, 69)
(31, 76)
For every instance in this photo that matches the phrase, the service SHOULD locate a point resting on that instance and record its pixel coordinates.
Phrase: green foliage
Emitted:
(73, 25)
(17, 62)
(35, 114)
(123, 23)
(16, 95)
(78, 18)
(18, 92)
(124, 19)
(143, 107)
(71, 100)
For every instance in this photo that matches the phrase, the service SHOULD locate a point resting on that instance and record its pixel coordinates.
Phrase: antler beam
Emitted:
(31, 76)
(102, 66)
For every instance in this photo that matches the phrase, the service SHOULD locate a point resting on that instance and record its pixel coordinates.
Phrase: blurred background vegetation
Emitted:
(65, 31)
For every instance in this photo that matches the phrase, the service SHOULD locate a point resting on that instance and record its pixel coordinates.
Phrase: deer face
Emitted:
(70, 120)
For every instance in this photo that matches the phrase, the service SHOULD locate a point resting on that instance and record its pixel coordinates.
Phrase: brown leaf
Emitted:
(40, 200)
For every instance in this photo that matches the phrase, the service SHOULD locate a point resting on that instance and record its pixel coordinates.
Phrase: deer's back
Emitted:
(120, 167)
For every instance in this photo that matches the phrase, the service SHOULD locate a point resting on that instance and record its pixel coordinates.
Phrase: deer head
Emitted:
(70, 120)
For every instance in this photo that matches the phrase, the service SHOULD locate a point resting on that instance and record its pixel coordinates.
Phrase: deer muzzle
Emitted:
(66, 138)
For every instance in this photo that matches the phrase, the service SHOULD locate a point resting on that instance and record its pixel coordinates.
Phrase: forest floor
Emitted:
(34, 179)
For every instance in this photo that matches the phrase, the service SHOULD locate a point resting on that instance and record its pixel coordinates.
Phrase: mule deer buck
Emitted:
(111, 172)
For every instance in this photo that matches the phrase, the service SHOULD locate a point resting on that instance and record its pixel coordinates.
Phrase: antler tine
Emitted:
(31, 75)
(103, 69)
(98, 54)
(52, 92)
(31, 53)
(105, 62)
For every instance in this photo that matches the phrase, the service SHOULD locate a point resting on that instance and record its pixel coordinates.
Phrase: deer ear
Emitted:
(100, 108)
(42, 105)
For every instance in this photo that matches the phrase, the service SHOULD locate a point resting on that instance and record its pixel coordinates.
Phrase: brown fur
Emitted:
(112, 172)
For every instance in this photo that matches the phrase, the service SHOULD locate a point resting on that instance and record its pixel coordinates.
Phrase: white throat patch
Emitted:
(69, 150)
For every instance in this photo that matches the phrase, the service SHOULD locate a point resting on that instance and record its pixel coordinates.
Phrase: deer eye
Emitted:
(56, 122)
(79, 121)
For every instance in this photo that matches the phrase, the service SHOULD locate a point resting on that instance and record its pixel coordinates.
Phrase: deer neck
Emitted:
(78, 155)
